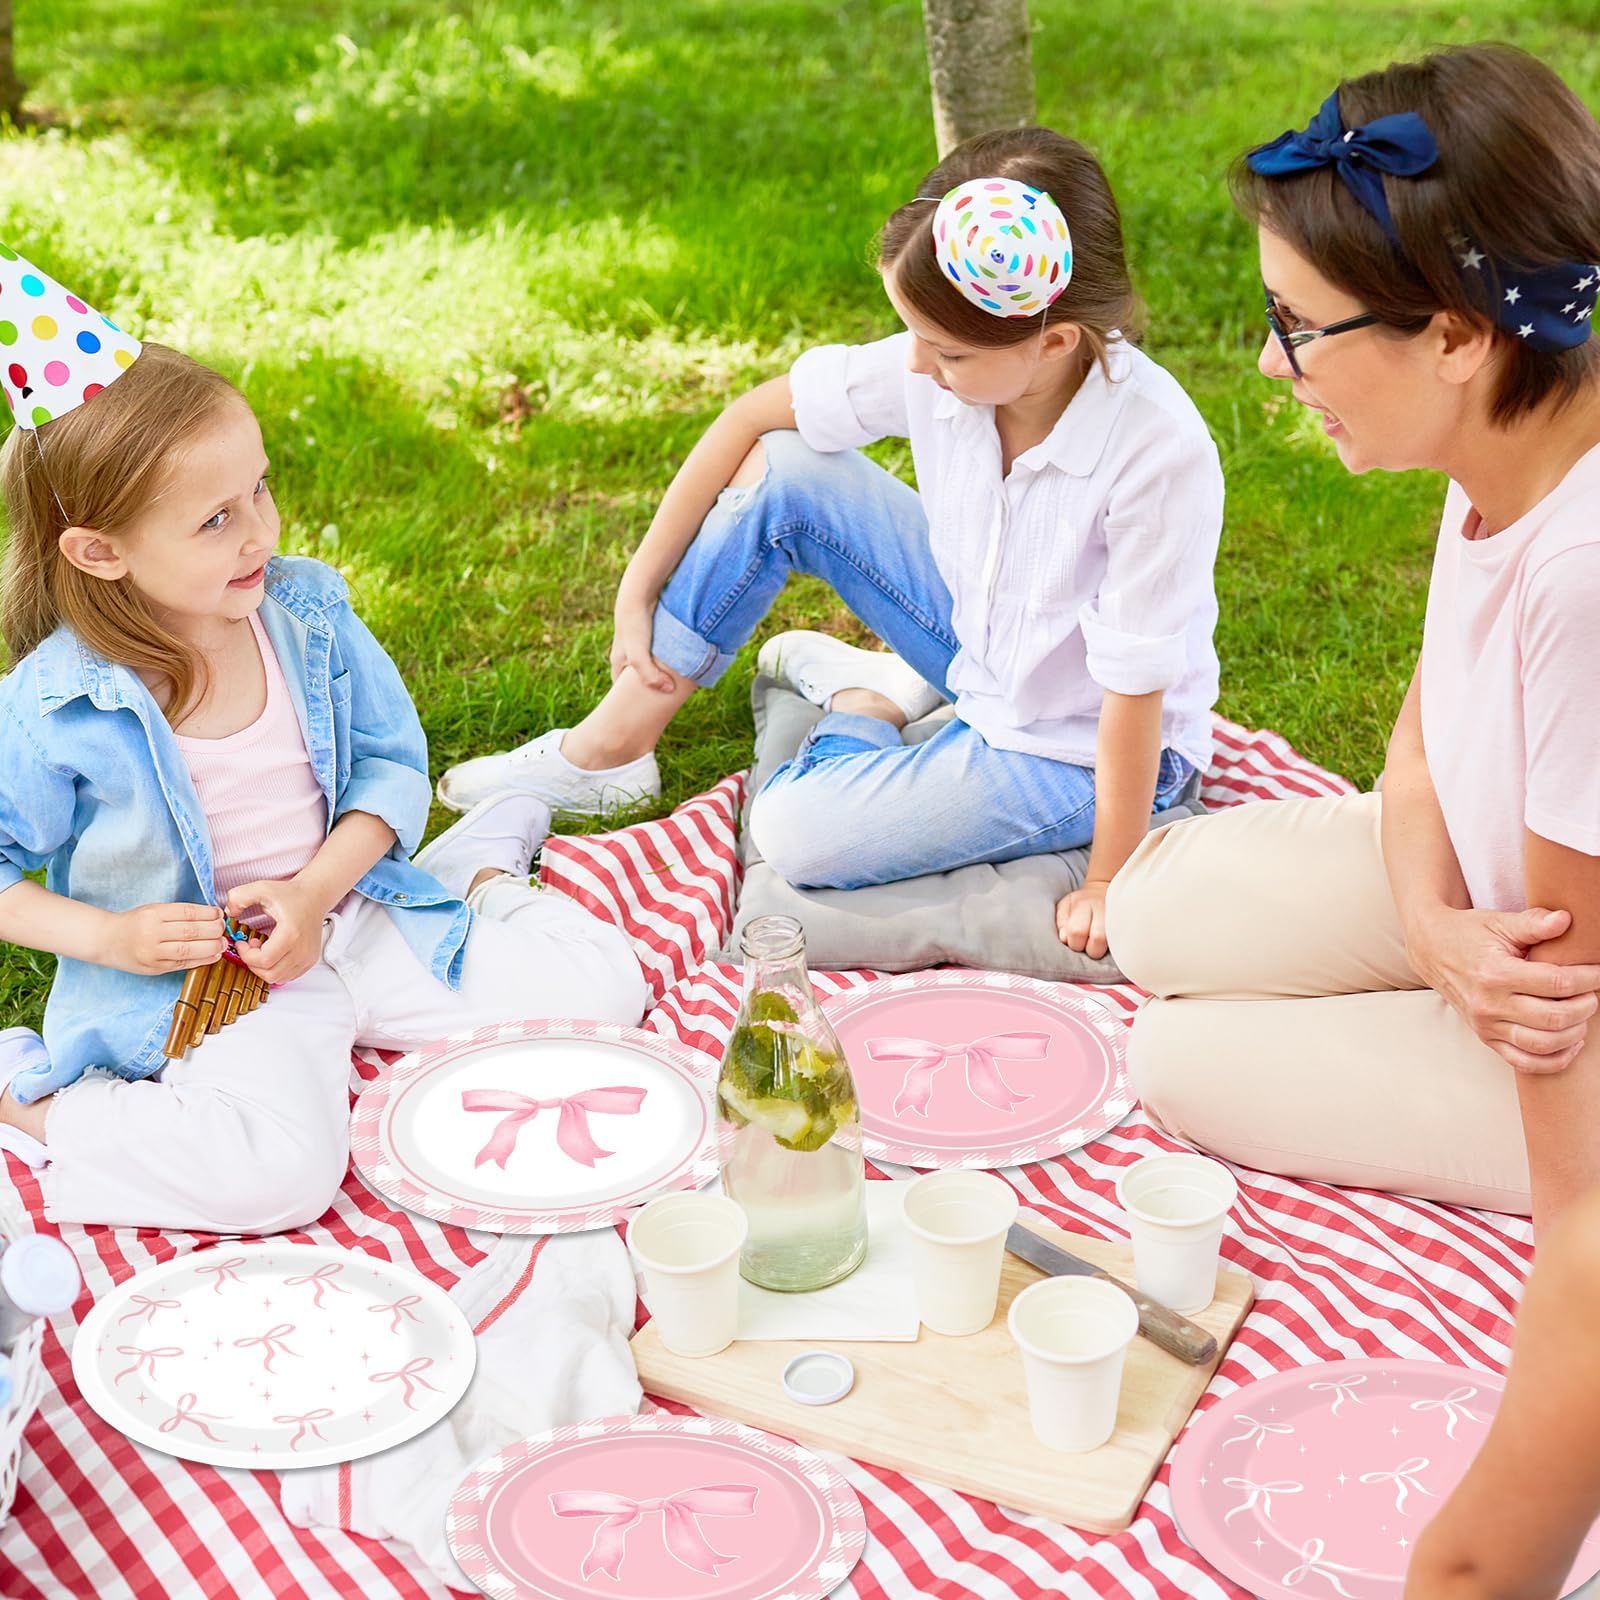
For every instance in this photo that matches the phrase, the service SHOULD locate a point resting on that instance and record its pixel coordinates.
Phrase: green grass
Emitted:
(386, 219)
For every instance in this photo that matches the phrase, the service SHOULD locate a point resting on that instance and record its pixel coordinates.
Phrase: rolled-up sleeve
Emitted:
(388, 749)
(1162, 525)
(37, 802)
(848, 395)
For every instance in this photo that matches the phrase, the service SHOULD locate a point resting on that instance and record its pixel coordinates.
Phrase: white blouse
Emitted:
(1087, 567)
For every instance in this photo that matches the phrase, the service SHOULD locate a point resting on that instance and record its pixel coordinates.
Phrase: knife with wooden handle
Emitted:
(1177, 1335)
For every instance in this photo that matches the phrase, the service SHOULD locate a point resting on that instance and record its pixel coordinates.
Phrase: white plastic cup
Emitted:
(1176, 1206)
(958, 1222)
(687, 1248)
(1074, 1335)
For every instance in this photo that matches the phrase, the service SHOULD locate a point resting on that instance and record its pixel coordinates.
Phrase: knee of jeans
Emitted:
(272, 1183)
(795, 835)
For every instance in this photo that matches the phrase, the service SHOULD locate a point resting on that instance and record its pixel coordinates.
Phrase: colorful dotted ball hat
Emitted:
(1004, 244)
(55, 351)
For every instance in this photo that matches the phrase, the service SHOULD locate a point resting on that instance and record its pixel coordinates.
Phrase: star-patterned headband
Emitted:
(1548, 307)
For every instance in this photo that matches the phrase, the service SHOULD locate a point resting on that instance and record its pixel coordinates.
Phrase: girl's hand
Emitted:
(163, 938)
(1081, 919)
(295, 943)
(1534, 1014)
(634, 624)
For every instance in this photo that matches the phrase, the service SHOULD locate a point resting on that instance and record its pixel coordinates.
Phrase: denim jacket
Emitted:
(94, 788)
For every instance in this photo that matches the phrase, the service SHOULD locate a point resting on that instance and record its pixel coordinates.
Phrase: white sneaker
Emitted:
(538, 768)
(502, 832)
(818, 666)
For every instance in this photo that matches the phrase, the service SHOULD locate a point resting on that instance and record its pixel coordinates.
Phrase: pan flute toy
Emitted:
(215, 995)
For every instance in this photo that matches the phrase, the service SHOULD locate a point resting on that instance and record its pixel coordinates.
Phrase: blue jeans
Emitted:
(857, 806)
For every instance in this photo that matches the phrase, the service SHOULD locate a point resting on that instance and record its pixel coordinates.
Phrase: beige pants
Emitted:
(1288, 1032)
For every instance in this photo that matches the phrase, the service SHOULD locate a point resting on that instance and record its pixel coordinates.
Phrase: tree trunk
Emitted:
(11, 87)
(980, 65)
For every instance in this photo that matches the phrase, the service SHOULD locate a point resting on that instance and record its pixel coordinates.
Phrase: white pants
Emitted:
(250, 1132)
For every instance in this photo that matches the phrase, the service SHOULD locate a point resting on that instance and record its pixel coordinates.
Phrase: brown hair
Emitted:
(1099, 298)
(99, 467)
(1518, 179)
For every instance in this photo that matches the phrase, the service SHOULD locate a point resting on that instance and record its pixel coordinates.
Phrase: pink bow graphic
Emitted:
(143, 1357)
(144, 1306)
(1403, 1477)
(572, 1129)
(408, 1375)
(983, 1070)
(319, 1280)
(400, 1308)
(308, 1421)
(186, 1413)
(224, 1271)
(679, 1527)
(1313, 1564)
(269, 1342)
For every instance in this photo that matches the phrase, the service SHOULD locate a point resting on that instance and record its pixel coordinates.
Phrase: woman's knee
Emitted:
(1165, 1075)
(1142, 927)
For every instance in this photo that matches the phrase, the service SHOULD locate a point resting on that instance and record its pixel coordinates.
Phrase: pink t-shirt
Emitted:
(265, 809)
(1511, 683)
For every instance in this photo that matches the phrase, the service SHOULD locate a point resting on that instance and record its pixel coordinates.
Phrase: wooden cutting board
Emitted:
(955, 1411)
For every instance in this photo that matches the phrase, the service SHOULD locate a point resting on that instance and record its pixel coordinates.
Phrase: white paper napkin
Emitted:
(877, 1301)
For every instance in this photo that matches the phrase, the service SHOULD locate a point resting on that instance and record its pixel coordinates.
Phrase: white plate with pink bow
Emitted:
(655, 1507)
(272, 1354)
(1318, 1481)
(980, 1069)
(538, 1127)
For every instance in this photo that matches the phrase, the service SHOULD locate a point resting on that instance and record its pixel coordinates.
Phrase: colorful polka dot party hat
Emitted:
(55, 351)
(1004, 245)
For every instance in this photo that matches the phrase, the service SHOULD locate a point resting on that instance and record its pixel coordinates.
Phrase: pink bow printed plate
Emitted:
(538, 1127)
(272, 1354)
(655, 1507)
(1318, 1481)
(980, 1069)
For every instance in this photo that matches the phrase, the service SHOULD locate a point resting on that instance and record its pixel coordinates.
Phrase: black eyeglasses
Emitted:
(1290, 340)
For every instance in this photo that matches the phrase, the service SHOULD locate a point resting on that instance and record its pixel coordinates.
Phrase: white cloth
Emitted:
(250, 1132)
(1087, 567)
(1510, 660)
(556, 1353)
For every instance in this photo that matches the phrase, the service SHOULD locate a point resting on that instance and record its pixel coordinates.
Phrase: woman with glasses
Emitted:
(1396, 990)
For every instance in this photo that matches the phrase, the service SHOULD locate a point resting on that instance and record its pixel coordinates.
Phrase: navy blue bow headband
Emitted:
(1547, 306)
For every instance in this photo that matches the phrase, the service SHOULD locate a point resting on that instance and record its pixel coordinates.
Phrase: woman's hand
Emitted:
(162, 938)
(633, 625)
(1534, 1014)
(295, 943)
(1081, 919)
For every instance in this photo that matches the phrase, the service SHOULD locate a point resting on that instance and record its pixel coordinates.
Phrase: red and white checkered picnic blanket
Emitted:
(1339, 1273)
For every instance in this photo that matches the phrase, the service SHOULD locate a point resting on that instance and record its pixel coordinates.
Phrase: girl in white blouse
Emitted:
(1051, 574)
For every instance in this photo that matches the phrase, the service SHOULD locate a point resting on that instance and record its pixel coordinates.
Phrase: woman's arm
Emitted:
(1561, 1106)
(706, 471)
(1513, 1526)
(148, 939)
(1532, 1012)
(1127, 762)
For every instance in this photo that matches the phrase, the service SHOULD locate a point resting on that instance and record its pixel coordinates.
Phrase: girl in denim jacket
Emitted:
(193, 722)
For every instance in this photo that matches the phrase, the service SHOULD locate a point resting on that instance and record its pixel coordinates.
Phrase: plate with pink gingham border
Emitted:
(538, 1127)
(655, 1507)
(980, 1069)
(1329, 1473)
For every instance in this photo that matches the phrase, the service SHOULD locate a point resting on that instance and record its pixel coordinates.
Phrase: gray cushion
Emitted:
(1002, 916)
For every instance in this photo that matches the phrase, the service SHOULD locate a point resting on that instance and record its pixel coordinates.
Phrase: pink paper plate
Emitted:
(656, 1508)
(980, 1069)
(538, 1127)
(1318, 1481)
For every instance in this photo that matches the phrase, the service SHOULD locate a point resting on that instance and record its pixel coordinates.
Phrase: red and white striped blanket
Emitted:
(1339, 1273)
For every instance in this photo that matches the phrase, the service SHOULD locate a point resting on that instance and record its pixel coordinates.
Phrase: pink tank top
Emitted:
(262, 801)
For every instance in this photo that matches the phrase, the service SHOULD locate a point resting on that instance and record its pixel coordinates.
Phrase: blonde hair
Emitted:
(99, 467)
